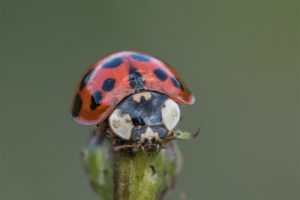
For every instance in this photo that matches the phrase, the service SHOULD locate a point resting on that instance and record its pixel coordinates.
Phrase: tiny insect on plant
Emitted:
(134, 100)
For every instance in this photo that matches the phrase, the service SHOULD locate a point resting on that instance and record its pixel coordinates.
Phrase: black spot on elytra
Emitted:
(136, 80)
(86, 78)
(160, 74)
(176, 83)
(140, 57)
(115, 62)
(76, 106)
(96, 100)
(108, 84)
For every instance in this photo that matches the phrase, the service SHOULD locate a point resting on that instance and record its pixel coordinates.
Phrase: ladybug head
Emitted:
(145, 119)
(150, 138)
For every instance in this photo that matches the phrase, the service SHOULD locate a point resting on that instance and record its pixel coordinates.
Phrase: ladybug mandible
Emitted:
(135, 97)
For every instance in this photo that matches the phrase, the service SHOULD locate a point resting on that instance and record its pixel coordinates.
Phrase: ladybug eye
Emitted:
(170, 114)
(121, 124)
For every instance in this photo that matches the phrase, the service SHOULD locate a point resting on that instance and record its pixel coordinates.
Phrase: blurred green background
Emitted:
(241, 60)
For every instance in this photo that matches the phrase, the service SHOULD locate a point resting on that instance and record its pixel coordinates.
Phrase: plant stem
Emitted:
(137, 177)
(126, 176)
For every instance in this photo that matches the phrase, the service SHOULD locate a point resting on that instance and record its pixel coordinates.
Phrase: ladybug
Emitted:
(135, 98)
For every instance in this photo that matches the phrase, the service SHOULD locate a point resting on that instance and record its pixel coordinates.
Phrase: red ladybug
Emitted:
(138, 94)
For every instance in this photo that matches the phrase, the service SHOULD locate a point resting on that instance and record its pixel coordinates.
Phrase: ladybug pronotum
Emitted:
(136, 97)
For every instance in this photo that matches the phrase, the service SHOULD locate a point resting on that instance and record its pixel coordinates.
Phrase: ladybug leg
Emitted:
(110, 133)
(181, 135)
(136, 147)
(102, 126)
(163, 145)
(170, 135)
(127, 146)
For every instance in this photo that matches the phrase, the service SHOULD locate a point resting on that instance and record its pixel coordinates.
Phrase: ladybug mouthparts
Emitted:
(151, 148)
(150, 138)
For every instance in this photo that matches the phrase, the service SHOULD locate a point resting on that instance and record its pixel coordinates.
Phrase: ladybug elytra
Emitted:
(136, 97)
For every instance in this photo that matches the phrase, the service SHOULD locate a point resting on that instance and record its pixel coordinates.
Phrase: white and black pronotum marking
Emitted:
(145, 120)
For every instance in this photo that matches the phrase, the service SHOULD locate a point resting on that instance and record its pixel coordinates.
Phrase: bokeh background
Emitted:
(240, 59)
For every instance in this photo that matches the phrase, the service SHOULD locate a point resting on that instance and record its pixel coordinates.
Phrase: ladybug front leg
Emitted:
(110, 134)
(133, 147)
